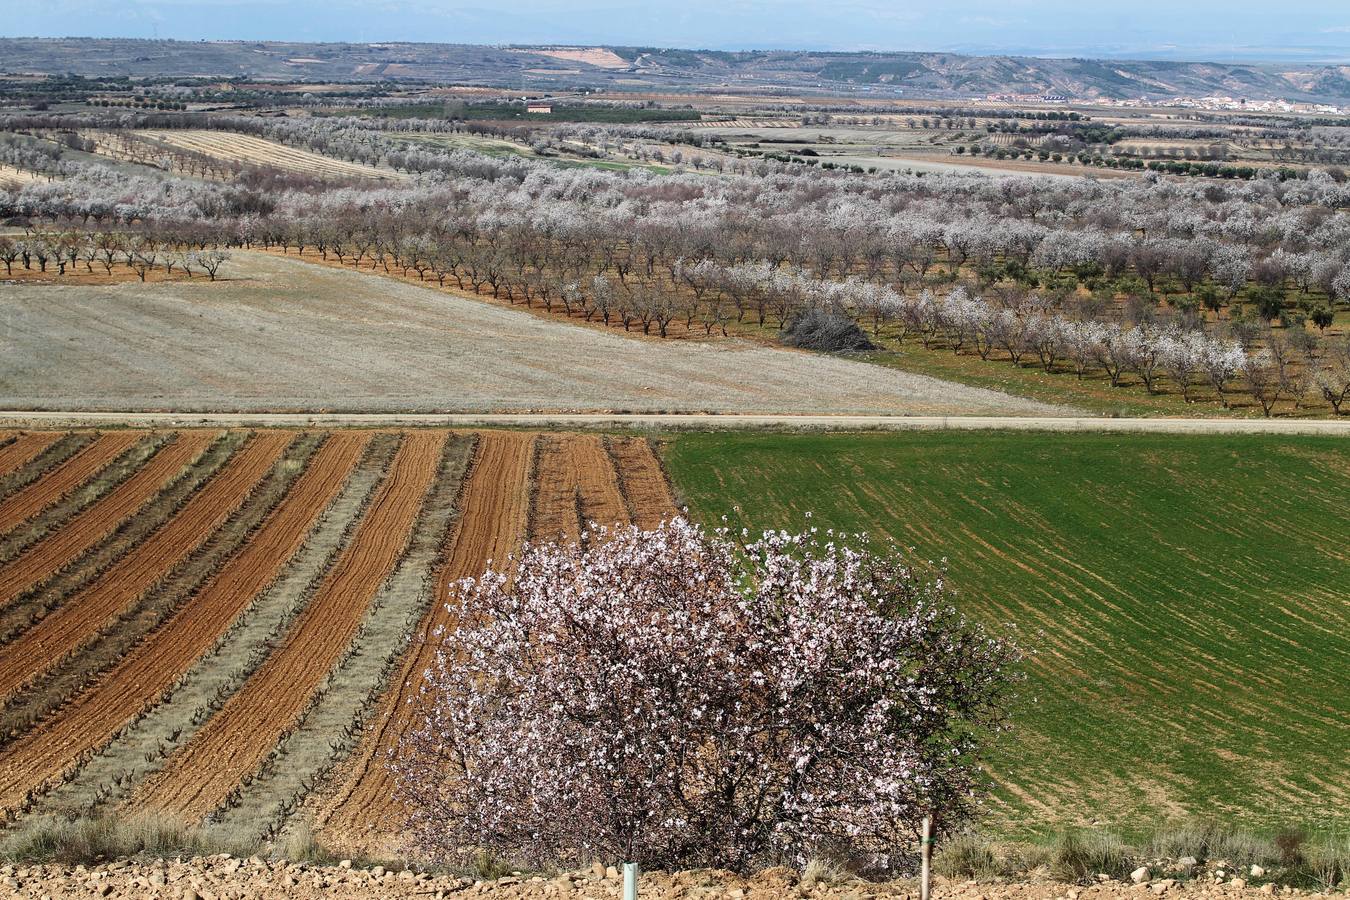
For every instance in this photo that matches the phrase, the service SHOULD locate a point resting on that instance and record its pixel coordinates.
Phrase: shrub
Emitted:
(678, 699)
(1079, 858)
(817, 329)
(967, 856)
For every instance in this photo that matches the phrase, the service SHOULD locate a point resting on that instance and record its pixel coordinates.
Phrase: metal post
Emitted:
(926, 859)
(630, 877)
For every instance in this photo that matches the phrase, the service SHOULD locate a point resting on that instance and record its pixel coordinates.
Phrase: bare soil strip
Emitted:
(154, 666)
(52, 454)
(493, 518)
(30, 603)
(598, 496)
(354, 688)
(18, 452)
(94, 524)
(235, 741)
(156, 605)
(57, 516)
(642, 481)
(65, 478)
(83, 616)
(555, 514)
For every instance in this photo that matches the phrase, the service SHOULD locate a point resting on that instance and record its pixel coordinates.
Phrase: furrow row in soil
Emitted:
(59, 566)
(642, 481)
(57, 516)
(492, 523)
(109, 595)
(156, 605)
(186, 686)
(236, 740)
(51, 450)
(51, 488)
(353, 689)
(142, 678)
(22, 449)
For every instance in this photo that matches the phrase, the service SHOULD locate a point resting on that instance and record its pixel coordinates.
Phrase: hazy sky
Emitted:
(1316, 30)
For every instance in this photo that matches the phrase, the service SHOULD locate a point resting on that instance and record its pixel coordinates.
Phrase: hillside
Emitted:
(638, 68)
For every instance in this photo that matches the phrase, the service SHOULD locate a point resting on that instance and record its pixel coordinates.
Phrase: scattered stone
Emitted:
(1257, 871)
(1238, 883)
(611, 873)
(345, 864)
(1162, 887)
(1139, 875)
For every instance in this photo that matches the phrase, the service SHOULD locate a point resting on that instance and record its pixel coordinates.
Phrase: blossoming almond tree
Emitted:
(677, 697)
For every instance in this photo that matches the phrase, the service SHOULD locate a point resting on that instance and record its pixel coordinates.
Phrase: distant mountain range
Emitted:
(534, 68)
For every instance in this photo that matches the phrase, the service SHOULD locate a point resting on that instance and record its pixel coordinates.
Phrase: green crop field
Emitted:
(1187, 599)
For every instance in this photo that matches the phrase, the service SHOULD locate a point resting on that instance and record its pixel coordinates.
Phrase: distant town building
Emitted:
(540, 108)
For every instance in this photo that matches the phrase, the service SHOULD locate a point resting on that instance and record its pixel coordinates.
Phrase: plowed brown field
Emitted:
(234, 742)
(54, 552)
(494, 510)
(153, 666)
(50, 488)
(65, 478)
(643, 482)
(576, 486)
(24, 448)
(98, 605)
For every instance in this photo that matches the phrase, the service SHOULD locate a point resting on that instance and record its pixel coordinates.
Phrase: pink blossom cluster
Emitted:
(678, 697)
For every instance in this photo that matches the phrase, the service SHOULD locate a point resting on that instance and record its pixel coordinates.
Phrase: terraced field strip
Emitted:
(142, 747)
(234, 742)
(59, 514)
(1186, 597)
(94, 608)
(493, 519)
(96, 522)
(32, 605)
(68, 476)
(642, 482)
(102, 651)
(20, 451)
(54, 453)
(355, 687)
(151, 668)
(258, 151)
(575, 486)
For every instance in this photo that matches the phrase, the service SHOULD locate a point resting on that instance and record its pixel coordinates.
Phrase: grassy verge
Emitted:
(1184, 596)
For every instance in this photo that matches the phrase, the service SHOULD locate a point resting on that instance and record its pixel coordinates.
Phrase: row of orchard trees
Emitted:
(64, 252)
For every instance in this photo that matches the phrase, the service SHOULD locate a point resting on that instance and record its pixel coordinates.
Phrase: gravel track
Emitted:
(677, 422)
(75, 621)
(234, 742)
(282, 334)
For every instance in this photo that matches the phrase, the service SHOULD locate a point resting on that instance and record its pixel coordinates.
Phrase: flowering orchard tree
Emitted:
(680, 698)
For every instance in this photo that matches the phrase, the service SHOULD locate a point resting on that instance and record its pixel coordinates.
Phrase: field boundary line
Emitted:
(672, 421)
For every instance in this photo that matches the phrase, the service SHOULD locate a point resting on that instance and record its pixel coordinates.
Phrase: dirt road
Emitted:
(670, 421)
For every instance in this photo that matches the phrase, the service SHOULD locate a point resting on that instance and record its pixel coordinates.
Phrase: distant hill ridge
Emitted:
(639, 68)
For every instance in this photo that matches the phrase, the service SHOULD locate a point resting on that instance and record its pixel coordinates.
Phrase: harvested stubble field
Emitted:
(228, 631)
(1185, 596)
(256, 151)
(273, 338)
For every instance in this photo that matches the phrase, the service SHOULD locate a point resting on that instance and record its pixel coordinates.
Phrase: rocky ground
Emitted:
(226, 878)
